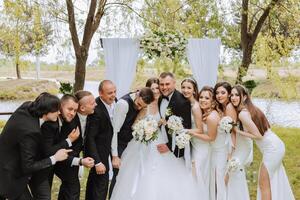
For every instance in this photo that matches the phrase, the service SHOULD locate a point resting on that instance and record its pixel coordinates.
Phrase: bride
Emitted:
(146, 174)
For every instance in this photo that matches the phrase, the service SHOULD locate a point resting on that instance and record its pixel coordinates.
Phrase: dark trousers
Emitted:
(97, 186)
(113, 181)
(25, 196)
(70, 185)
(39, 186)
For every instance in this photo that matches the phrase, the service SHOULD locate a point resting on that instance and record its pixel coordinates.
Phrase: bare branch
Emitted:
(262, 19)
(130, 8)
(72, 25)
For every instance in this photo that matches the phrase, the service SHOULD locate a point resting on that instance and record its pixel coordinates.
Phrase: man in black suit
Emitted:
(68, 125)
(98, 141)
(127, 109)
(21, 148)
(177, 104)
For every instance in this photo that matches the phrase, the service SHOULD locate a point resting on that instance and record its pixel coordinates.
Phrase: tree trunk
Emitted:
(80, 71)
(246, 61)
(37, 66)
(17, 62)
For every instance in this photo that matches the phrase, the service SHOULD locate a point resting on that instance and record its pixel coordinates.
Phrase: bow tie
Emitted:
(165, 97)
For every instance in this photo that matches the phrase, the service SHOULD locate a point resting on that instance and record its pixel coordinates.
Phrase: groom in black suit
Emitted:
(174, 103)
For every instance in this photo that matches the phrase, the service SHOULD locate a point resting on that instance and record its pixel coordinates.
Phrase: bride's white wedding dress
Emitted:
(145, 174)
(273, 149)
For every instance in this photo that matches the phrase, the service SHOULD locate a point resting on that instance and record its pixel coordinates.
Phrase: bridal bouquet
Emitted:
(145, 130)
(226, 124)
(233, 165)
(182, 139)
(174, 123)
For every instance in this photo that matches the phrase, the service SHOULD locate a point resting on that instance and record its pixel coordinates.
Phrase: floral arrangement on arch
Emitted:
(164, 43)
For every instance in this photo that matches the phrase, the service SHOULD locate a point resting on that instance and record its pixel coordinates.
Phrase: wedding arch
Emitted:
(121, 56)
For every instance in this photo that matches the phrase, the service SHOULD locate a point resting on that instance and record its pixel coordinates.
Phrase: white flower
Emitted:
(226, 124)
(233, 165)
(182, 139)
(145, 130)
(175, 123)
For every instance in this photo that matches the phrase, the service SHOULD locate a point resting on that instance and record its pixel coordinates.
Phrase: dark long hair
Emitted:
(45, 103)
(257, 116)
(228, 88)
(195, 86)
(150, 81)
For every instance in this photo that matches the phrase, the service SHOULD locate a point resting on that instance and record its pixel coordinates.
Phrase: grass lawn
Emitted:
(291, 138)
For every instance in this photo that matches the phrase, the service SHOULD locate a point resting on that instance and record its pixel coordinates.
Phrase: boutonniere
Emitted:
(169, 112)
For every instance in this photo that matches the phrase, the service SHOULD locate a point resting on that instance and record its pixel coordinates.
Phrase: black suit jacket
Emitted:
(64, 169)
(20, 152)
(181, 107)
(99, 135)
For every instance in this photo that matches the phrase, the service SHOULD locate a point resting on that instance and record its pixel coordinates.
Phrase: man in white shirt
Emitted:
(98, 141)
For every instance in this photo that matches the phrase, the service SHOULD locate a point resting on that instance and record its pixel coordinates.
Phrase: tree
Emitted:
(22, 31)
(255, 17)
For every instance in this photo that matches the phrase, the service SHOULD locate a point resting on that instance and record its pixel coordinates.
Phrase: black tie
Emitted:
(165, 97)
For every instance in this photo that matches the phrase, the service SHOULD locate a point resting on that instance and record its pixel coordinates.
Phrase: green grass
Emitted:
(291, 138)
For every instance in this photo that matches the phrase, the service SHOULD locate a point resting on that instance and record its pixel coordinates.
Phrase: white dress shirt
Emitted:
(120, 112)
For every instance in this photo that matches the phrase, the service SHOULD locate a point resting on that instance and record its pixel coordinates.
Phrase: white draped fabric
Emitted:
(203, 57)
(121, 55)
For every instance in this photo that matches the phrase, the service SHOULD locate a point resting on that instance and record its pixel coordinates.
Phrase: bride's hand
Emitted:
(162, 122)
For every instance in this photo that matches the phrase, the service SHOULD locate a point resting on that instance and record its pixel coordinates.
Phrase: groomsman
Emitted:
(68, 171)
(98, 141)
(21, 148)
(127, 109)
(177, 104)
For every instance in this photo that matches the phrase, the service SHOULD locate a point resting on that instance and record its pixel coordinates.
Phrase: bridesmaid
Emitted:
(218, 149)
(237, 187)
(273, 181)
(200, 148)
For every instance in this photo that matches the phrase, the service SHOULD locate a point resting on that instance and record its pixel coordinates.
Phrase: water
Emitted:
(281, 113)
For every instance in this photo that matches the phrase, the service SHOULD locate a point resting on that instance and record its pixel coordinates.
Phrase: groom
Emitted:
(172, 101)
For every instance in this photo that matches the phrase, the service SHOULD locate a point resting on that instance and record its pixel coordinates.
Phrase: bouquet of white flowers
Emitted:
(226, 124)
(233, 165)
(145, 130)
(182, 139)
(174, 123)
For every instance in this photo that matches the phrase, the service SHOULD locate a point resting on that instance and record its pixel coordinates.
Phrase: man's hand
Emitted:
(61, 154)
(100, 169)
(74, 134)
(162, 148)
(87, 162)
(116, 162)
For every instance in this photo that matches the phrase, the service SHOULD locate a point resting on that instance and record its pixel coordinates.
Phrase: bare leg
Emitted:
(264, 183)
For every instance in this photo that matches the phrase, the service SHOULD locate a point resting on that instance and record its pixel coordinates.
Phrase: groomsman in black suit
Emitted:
(68, 170)
(126, 110)
(98, 141)
(21, 149)
(172, 101)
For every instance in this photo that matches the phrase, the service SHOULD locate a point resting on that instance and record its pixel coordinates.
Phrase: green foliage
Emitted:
(65, 88)
(250, 85)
